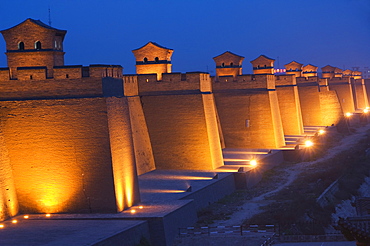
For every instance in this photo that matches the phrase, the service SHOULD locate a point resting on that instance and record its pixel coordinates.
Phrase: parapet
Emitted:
(285, 80)
(31, 73)
(174, 82)
(312, 80)
(245, 81)
(68, 81)
(346, 80)
(63, 72)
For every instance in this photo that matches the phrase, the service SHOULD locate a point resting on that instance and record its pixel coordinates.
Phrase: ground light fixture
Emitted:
(308, 143)
(253, 162)
(321, 131)
(348, 114)
(366, 110)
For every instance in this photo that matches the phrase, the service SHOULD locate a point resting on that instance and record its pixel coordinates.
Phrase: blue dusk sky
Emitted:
(318, 32)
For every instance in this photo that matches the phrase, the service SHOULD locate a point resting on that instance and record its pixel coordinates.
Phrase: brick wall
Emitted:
(60, 154)
(123, 155)
(308, 91)
(359, 93)
(290, 108)
(344, 91)
(8, 197)
(331, 109)
(178, 131)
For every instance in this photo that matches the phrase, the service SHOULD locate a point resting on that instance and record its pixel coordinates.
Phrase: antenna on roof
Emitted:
(49, 17)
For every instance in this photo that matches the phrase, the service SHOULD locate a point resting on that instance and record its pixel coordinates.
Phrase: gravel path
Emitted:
(252, 207)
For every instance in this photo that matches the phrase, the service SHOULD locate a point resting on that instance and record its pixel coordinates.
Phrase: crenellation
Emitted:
(4, 74)
(285, 80)
(101, 71)
(248, 81)
(194, 81)
(68, 72)
(130, 85)
(32, 73)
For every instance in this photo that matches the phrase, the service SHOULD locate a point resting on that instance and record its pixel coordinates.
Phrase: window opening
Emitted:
(21, 46)
(38, 45)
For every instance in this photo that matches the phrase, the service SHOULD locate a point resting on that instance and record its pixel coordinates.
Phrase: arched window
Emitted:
(156, 59)
(231, 64)
(21, 46)
(145, 59)
(38, 45)
(223, 64)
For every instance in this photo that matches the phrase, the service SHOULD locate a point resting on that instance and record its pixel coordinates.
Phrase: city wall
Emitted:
(249, 111)
(290, 107)
(181, 119)
(344, 91)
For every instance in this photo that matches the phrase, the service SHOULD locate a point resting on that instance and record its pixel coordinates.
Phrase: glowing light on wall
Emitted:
(308, 143)
(348, 114)
(321, 132)
(253, 162)
(161, 191)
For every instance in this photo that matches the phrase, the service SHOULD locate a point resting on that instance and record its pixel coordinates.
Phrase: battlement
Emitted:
(341, 80)
(285, 80)
(245, 81)
(308, 80)
(171, 82)
(68, 81)
(62, 72)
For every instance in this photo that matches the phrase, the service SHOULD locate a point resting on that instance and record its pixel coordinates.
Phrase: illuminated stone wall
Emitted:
(249, 111)
(367, 88)
(290, 107)
(60, 154)
(319, 105)
(343, 88)
(331, 110)
(8, 196)
(359, 93)
(309, 98)
(181, 119)
(122, 149)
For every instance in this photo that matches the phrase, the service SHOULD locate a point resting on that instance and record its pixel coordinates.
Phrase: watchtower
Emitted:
(347, 73)
(153, 58)
(309, 71)
(263, 65)
(294, 68)
(228, 64)
(33, 44)
(328, 72)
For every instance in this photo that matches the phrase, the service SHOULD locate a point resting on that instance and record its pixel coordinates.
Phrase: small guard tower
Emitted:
(32, 43)
(228, 64)
(263, 65)
(328, 72)
(153, 58)
(294, 68)
(309, 71)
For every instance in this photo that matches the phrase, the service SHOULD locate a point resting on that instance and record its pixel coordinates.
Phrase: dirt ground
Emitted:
(242, 205)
